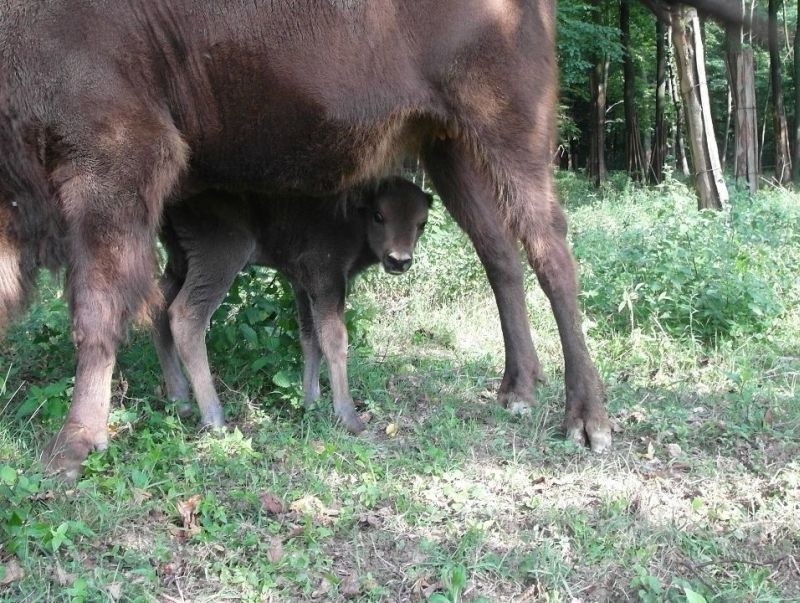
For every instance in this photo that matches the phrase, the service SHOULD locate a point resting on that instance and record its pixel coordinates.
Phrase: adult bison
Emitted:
(109, 107)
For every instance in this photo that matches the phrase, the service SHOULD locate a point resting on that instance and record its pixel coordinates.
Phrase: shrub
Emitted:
(653, 260)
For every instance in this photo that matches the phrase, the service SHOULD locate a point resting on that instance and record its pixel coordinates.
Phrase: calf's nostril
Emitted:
(397, 263)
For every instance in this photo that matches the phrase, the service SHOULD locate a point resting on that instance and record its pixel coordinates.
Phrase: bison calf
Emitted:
(316, 243)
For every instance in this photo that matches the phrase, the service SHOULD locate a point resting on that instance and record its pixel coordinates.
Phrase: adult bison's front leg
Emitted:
(469, 195)
(112, 197)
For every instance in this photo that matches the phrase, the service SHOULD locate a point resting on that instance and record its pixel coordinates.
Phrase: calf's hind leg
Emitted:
(171, 283)
(216, 253)
(312, 353)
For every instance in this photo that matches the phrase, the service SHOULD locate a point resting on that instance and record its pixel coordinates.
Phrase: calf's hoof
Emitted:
(595, 431)
(68, 449)
(351, 422)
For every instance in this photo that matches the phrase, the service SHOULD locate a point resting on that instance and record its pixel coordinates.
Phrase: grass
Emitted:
(446, 497)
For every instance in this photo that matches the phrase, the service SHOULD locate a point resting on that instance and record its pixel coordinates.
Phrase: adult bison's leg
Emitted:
(551, 259)
(312, 353)
(469, 195)
(111, 196)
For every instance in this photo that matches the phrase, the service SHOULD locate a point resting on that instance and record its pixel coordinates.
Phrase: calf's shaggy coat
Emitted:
(319, 244)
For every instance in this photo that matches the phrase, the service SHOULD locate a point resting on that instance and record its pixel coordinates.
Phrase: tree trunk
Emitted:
(709, 183)
(783, 160)
(659, 152)
(796, 77)
(681, 162)
(745, 129)
(796, 74)
(634, 153)
(597, 141)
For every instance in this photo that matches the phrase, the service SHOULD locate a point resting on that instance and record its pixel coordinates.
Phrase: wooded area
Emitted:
(654, 92)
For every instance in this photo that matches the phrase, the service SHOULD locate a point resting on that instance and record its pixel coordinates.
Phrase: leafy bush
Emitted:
(655, 261)
(254, 337)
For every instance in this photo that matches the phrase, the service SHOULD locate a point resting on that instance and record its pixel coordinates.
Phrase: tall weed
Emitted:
(650, 260)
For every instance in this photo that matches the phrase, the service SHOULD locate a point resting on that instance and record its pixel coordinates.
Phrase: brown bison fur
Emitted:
(108, 109)
(319, 244)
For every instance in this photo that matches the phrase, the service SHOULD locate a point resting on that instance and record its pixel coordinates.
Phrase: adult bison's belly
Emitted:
(288, 127)
(301, 150)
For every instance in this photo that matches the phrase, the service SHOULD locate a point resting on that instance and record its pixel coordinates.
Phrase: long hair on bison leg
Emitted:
(14, 287)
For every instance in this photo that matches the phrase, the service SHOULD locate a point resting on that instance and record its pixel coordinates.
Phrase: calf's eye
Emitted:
(378, 217)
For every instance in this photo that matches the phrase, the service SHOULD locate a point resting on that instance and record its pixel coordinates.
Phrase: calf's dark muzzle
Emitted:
(397, 263)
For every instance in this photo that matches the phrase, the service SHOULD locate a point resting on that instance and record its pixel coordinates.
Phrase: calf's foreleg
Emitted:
(327, 308)
(312, 353)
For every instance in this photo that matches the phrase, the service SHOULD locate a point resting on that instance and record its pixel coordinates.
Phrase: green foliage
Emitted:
(655, 262)
(254, 338)
(583, 36)
(254, 335)
(454, 580)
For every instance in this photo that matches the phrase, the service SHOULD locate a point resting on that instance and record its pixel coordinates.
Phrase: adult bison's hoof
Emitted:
(184, 408)
(514, 403)
(351, 422)
(68, 449)
(213, 420)
(596, 431)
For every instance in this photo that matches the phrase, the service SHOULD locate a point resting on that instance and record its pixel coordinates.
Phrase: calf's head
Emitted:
(395, 217)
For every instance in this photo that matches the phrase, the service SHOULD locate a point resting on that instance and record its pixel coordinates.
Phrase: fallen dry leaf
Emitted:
(271, 503)
(13, 572)
(350, 586)
(650, 454)
(62, 577)
(188, 512)
(318, 446)
(424, 587)
(369, 520)
(311, 505)
(140, 495)
(365, 416)
(275, 551)
(674, 450)
(42, 496)
(322, 590)
(391, 430)
(114, 590)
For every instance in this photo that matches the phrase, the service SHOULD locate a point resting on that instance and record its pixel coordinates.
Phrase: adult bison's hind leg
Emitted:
(112, 199)
(585, 398)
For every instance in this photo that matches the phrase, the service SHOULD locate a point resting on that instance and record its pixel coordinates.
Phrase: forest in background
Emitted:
(621, 108)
